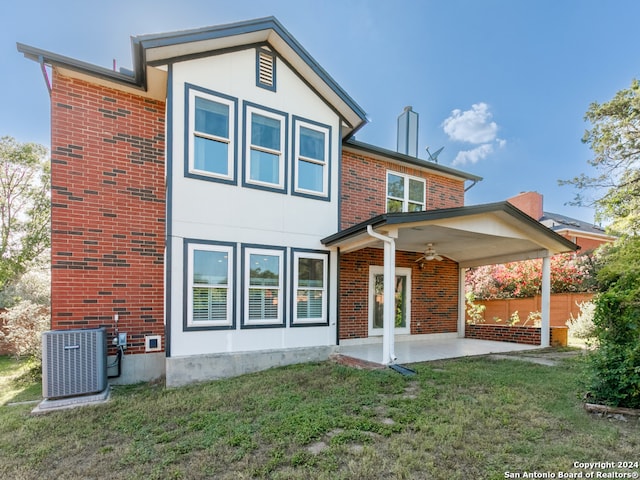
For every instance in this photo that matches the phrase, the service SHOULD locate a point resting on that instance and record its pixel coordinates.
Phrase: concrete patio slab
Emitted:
(429, 348)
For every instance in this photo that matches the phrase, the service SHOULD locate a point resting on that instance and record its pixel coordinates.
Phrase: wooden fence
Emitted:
(563, 305)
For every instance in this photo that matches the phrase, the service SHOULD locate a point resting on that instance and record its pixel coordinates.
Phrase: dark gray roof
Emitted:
(128, 78)
(365, 147)
(140, 44)
(557, 221)
(409, 217)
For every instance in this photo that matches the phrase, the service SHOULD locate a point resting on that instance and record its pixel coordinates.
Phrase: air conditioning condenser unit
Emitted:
(74, 362)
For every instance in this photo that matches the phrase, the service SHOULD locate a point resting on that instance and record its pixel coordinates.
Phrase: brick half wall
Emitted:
(504, 333)
(108, 210)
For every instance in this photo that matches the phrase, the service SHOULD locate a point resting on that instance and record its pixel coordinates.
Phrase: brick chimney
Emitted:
(529, 202)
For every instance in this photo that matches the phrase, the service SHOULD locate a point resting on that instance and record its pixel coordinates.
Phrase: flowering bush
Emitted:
(569, 273)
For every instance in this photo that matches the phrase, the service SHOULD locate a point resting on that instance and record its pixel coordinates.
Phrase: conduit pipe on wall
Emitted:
(388, 350)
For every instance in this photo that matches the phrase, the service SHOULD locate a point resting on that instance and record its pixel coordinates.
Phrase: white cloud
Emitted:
(475, 127)
(471, 126)
(473, 156)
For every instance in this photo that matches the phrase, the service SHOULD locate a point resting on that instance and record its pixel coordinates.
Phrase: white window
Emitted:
(311, 158)
(265, 148)
(263, 287)
(209, 285)
(310, 275)
(211, 134)
(404, 193)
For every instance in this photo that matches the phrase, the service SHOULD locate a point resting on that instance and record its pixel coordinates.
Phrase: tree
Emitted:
(24, 207)
(615, 141)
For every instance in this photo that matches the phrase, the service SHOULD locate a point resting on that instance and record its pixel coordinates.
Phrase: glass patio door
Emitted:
(402, 300)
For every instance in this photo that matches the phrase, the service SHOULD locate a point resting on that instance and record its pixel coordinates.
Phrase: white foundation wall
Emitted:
(212, 211)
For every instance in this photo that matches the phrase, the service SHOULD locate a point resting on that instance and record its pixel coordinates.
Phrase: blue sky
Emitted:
(503, 85)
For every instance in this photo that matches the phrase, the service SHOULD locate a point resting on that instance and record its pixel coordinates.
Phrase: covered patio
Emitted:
(469, 236)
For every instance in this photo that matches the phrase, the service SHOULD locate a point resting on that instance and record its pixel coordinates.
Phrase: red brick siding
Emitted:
(108, 210)
(504, 333)
(434, 293)
(363, 188)
(585, 244)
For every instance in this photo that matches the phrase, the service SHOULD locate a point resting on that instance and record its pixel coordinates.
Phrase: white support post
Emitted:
(389, 298)
(545, 326)
(388, 353)
(462, 304)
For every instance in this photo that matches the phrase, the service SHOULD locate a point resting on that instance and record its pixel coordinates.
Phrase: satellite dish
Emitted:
(434, 156)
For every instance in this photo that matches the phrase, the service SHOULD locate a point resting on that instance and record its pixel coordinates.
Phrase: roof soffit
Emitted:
(493, 236)
(156, 82)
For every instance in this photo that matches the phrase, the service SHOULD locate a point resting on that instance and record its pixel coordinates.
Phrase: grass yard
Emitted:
(17, 381)
(473, 418)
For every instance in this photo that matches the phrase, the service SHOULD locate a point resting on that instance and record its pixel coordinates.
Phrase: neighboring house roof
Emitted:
(531, 203)
(384, 154)
(559, 223)
(155, 50)
(472, 236)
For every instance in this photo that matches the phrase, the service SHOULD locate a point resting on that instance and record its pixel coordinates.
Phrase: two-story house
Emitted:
(214, 205)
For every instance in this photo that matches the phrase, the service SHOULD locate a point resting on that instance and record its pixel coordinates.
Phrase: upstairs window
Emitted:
(211, 135)
(312, 151)
(265, 149)
(265, 69)
(405, 193)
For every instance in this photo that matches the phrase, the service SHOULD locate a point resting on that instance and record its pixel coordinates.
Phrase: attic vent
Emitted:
(266, 69)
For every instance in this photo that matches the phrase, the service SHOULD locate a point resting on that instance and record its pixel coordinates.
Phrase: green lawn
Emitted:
(18, 381)
(459, 419)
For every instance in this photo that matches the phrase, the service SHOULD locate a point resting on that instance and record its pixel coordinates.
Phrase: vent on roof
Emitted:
(408, 132)
(266, 69)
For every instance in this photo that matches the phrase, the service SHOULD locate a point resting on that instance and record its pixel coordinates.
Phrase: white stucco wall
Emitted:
(206, 210)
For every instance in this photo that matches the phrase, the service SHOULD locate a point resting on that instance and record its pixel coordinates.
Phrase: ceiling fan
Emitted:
(429, 254)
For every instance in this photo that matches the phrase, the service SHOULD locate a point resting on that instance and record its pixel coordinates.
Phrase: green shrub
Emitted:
(615, 364)
(475, 311)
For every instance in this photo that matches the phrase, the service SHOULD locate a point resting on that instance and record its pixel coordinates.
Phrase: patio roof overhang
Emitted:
(471, 236)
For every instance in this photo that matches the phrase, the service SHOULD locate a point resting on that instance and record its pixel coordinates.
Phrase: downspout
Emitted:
(471, 186)
(388, 318)
(43, 67)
